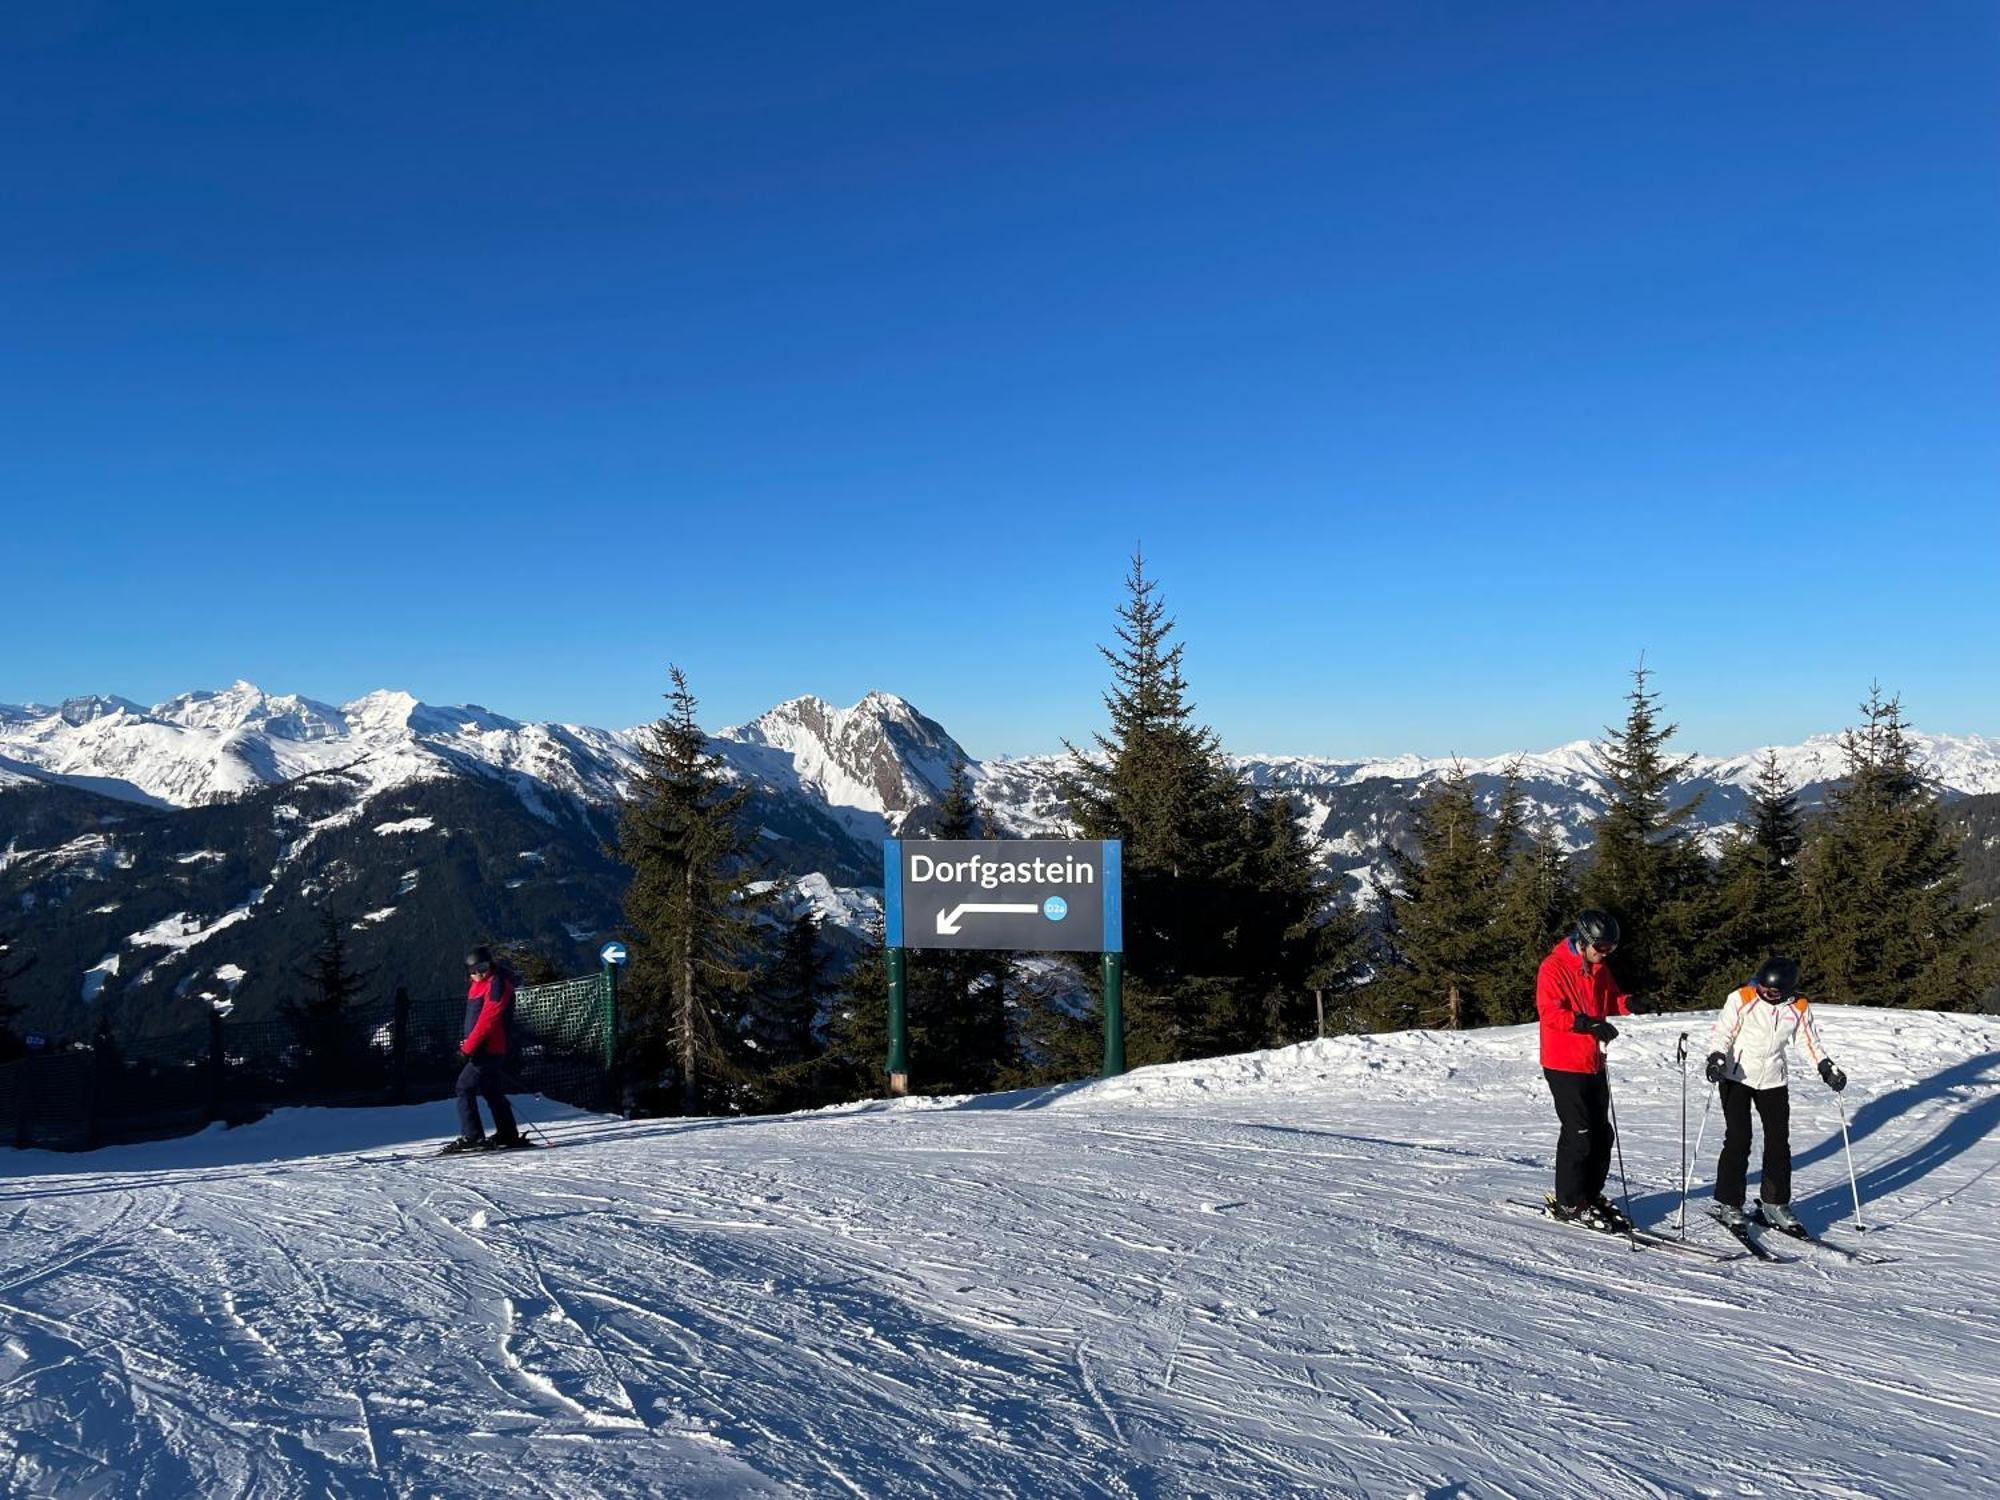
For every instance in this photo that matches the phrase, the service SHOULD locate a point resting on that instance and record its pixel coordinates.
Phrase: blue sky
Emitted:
(1443, 358)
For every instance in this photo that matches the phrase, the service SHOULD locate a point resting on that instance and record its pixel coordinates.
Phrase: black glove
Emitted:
(1604, 1031)
(1718, 1066)
(1832, 1076)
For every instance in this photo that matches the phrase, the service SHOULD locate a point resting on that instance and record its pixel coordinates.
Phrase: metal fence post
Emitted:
(216, 1062)
(898, 1066)
(1112, 966)
(610, 982)
(399, 1046)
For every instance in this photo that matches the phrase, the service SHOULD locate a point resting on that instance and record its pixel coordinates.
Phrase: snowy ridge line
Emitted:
(877, 760)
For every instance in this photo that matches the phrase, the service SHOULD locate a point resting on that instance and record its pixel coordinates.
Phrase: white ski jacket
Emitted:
(1754, 1033)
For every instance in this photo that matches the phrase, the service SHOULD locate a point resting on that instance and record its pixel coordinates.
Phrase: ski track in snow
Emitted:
(1283, 1274)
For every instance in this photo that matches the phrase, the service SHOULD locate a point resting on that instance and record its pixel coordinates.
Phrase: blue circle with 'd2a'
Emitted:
(1055, 908)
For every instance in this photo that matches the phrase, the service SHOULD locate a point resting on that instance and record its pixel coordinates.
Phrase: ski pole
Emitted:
(1852, 1182)
(1624, 1187)
(1705, 1108)
(1681, 1057)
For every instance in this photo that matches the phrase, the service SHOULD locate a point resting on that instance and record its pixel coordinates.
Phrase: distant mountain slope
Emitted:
(147, 852)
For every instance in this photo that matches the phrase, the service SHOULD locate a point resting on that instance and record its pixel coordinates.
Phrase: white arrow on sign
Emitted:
(948, 920)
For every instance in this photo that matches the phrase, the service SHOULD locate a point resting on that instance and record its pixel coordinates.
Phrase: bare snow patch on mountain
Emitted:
(98, 975)
(406, 825)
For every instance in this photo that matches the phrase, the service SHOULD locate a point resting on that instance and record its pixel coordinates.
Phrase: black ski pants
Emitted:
(484, 1078)
(1583, 1150)
(1774, 1109)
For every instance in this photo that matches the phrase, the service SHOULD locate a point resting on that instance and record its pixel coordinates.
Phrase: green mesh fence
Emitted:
(400, 1049)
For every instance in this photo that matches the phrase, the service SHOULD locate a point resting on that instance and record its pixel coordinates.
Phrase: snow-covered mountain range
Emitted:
(870, 766)
(230, 821)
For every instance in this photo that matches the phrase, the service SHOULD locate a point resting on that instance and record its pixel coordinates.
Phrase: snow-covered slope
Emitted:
(1284, 1274)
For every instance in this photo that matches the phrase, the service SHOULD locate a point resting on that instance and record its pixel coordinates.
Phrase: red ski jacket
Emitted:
(486, 1026)
(1565, 988)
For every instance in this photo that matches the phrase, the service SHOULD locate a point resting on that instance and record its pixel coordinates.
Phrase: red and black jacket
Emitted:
(1566, 988)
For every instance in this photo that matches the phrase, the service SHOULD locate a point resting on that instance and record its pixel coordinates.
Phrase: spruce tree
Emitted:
(857, 1030)
(1302, 947)
(1448, 960)
(692, 905)
(331, 1047)
(781, 1023)
(1757, 909)
(1886, 922)
(1647, 869)
(1158, 781)
(1537, 903)
(959, 1041)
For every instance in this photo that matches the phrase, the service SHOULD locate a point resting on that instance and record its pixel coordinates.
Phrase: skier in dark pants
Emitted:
(1755, 1026)
(489, 1027)
(1574, 993)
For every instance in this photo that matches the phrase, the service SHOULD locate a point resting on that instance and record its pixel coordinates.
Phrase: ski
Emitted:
(1645, 1238)
(1806, 1237)
(1748, 1240)
(482, 1153)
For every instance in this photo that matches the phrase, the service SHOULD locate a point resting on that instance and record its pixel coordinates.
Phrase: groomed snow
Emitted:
(1277, 1274)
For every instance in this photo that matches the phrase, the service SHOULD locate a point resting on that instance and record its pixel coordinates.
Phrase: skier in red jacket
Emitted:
(1575, 993)
(489, 1027)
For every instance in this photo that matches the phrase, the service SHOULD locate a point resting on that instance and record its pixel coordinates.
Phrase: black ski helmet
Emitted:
(1780, 975)
(1596, 929)
(477, 956)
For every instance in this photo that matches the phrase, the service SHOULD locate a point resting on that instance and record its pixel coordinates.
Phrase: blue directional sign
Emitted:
(611, 954)
(1010, 895)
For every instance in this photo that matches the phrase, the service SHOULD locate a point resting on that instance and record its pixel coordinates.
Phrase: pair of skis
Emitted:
(1644, 1239)
(1751, 1248)
(1755, 1216)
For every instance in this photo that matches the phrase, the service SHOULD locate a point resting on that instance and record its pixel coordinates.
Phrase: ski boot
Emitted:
(1729, 1215)
(1780, 1217)
(1614, 1215)
(463, 1143)
(1583, 1215)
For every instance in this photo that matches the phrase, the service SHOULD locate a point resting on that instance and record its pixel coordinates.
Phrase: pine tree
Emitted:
(857, 1030)
(1537, 903)
(1159, 782)
(691, 906)
(324, 1025)
(1756, 909)
(1449, 961)
(959, 1040)
(1886, 922)
(1302, 946)
(1647, 869)
(781, 1024)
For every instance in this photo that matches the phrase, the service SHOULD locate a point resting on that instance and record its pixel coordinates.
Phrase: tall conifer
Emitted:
(1449, 960)
(1537, 904)
(1757, 909)
(1159, 782)
(959, 1041)
(1647, 868)
(1886, 921)
(323, 1022)
(693, 901)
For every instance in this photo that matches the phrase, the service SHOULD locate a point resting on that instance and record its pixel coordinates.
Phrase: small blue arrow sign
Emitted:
(611, 953)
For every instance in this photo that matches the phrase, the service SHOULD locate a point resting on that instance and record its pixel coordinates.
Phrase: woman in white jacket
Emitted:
(1747, 1059)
